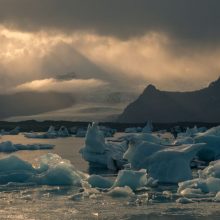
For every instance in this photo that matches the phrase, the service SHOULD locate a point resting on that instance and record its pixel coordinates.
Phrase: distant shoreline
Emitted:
(42, 126)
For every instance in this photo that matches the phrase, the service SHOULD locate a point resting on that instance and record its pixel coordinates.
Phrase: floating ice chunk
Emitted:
(50, 134)
(14, 131)
(95, 141)
(34, 146)
(81, 132)
(63, 132)
(148, 128)
(213, 184)
(53, 170)
(192, 193)
(212, 131)
(187, 184)
(100, 182)
(213, 170)
(184, 200)
(209, 182)
(14, 163)
(59, 174)
(133, 179)
(96, 150)
(217, 197)
(212, 149)
(14, 169)
(8, 146)
(190, 132)
(153, 138)
(139, 151)
(77, 197)
(107, 132)
(119, 192)
(171, 165)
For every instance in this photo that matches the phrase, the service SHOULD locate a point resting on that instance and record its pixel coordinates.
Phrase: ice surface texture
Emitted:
(52, 170)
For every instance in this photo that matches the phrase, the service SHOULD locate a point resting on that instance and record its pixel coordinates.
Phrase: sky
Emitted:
(107, 46)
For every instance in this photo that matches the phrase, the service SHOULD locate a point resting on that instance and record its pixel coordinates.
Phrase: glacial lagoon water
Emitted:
(53, 202)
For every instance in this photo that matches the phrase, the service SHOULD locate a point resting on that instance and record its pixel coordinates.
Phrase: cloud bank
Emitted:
(188, 20)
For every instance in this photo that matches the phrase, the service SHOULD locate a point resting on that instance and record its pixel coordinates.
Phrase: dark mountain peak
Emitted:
(215, 84)
(150, 89)
(162, 106)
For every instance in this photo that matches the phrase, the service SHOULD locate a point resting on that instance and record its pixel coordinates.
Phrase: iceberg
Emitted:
(81, 132)
(138, 151)
(7, 147)
(132, 179)
(52, 170)
(212, 139)
(98, 151)
(107, 132)
(14, 131)
(148, 128)
(63, 132)
(50, 134)
(171, 165)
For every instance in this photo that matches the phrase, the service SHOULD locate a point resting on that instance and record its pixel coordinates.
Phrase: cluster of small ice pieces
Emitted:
(8, 147)
(50, 134)
(64, 132)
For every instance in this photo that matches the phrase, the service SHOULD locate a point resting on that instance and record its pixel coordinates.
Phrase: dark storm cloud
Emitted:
(188, 20)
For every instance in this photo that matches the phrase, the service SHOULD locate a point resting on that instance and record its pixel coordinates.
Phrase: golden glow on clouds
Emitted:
(74, 85)
(139, 61)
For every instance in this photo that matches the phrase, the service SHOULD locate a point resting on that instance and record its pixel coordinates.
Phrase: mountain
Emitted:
(162, 106)
(66, 76)
(30, 103)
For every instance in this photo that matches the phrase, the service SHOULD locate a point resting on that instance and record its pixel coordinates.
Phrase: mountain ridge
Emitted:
(165, 106)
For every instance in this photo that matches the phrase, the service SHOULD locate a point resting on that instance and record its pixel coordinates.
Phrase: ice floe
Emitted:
(52, 170)
(8, 146)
